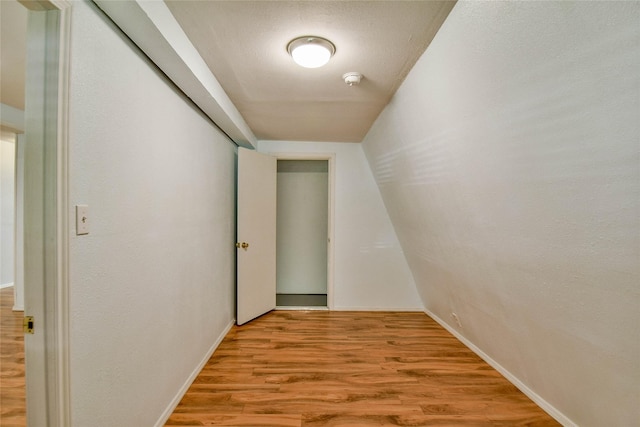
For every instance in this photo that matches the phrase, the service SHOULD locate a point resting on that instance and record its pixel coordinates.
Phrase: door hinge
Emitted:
(27, 325)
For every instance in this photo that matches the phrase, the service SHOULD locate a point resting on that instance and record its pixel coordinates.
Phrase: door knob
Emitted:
(243, 245)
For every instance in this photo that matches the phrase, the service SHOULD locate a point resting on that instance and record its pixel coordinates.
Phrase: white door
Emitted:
(256, 251)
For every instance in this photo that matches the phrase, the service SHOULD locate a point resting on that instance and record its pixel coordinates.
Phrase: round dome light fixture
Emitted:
(311, 51)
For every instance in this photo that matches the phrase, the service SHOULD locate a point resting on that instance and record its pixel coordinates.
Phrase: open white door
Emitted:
(256, 252)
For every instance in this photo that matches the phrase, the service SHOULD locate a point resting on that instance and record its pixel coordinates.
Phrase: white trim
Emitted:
(300, 308)
(331, 162)
(194, 374)
(18, 247)
(45, 217)
(389, 309)
(44, 5)
(62, 314)
(6, 285)
(546, 406)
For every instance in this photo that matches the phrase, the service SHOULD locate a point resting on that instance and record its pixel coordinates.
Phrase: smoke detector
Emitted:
(352, 78)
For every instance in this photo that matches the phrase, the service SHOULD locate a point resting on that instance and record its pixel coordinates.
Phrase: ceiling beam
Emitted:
(40, 5)
(11, 118)
(154, 29)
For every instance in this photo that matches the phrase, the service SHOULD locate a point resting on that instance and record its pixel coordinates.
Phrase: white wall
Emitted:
(302, 227)
(152, 285)
(508, 161)
(370, 270)
(18, 273)
(7, 207)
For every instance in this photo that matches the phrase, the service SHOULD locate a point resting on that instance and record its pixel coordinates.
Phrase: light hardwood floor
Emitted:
(12, 388)
(294, 368)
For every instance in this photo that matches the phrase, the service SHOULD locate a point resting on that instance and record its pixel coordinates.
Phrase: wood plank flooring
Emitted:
(319, 368)
(12, 385)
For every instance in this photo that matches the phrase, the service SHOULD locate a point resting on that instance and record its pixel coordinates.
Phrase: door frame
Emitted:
(331, 161)
(46, 219)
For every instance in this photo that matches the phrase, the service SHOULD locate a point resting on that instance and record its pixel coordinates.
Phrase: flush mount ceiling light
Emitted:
(311, 51)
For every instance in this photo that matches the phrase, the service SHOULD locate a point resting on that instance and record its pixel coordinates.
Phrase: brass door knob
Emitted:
(243, 245)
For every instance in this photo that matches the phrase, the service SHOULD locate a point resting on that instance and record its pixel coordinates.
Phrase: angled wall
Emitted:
(509, 163)
(152, 284)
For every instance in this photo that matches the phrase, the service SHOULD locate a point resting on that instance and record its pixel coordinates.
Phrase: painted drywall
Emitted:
(18, 272)
(370, 271)
(12, 213)
(152, 284)
(508, 161)
(302, 227)
(7, 207)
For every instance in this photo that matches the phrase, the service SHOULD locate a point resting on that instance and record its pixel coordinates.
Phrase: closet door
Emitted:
(256, 229)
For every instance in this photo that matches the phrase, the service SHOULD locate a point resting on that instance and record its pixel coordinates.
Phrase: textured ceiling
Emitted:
(244, 45)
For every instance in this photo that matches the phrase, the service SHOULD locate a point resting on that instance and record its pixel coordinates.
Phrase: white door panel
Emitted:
(257, 233)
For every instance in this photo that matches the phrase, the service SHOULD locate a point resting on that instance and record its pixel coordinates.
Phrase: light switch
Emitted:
(82, 219)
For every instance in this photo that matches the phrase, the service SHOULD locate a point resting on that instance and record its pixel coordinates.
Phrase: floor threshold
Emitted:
(301, 308)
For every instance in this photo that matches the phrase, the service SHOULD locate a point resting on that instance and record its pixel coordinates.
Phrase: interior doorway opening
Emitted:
(302, 242)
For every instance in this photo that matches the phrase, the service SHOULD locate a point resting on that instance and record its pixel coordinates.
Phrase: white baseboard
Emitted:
(176, 400)
(546, 406)
(15, 307)
(395, 309)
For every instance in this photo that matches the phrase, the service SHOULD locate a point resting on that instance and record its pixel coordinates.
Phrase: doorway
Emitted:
(257, 256)
(302, 243)
(13, 49)
(11, 214)
(7, 208)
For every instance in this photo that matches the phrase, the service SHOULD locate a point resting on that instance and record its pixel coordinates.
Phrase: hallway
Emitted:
(494, 186)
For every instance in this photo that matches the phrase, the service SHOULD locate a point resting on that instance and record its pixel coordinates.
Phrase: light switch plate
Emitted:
(82, 219)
